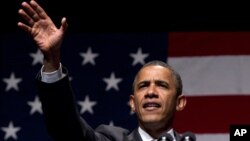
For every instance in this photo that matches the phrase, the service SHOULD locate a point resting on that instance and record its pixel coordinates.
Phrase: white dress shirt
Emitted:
(50, 77)
(146, 137)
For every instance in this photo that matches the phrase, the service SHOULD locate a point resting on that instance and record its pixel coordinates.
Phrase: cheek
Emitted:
(137, 101)
(168, 103)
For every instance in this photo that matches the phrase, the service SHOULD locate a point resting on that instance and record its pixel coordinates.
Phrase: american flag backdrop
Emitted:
(101, 68)
(214, 66)
(215, 70)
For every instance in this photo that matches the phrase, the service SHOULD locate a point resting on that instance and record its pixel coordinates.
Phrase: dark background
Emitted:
(139, 16)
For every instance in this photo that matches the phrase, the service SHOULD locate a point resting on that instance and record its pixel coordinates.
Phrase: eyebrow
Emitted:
(158, 82)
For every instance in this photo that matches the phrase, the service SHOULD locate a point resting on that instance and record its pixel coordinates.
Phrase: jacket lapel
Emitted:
(134, 136)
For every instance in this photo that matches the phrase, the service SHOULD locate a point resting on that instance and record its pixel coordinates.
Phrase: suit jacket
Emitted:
(63, 121)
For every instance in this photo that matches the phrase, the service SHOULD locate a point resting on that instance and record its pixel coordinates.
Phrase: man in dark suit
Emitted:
(157, 90)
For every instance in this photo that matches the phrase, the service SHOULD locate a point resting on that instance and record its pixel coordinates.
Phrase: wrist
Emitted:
(50, 66)
(51, 62)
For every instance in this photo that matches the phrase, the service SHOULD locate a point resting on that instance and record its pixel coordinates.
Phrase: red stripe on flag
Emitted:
(208, 43)
(213, 114)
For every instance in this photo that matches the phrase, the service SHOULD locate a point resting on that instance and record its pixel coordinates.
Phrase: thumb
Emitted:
(64, 24)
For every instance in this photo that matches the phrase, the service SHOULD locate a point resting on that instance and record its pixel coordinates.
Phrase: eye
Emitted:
(143, 85)
(162, 84)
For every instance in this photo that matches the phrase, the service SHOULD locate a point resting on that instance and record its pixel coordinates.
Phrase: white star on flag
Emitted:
(10, 131)
(89, 57)
(112, 82)
(12, 82)
(36, 106)
(87, 105)
(37, 57)
(139, 57)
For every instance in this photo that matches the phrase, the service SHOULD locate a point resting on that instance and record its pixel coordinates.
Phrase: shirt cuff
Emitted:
(51, 77)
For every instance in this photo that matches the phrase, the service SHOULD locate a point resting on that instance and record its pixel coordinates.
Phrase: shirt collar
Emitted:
(146, 137)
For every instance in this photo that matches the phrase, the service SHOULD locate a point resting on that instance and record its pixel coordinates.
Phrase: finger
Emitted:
(39, 10)
(64, 24)
(26, 17)
(24, 27)
(30, 11)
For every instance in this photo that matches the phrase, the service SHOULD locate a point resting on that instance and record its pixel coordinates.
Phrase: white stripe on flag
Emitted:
(213, 75)
(212, 137)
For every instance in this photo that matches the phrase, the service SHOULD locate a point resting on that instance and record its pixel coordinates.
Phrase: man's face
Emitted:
(154, 99)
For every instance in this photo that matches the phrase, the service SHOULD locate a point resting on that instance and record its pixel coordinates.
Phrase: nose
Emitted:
(152, 92)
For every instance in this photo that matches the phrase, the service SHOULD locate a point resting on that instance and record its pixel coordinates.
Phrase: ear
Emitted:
(181, 102)
(132, 102)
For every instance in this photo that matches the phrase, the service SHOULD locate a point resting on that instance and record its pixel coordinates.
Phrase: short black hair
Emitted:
(177, 77)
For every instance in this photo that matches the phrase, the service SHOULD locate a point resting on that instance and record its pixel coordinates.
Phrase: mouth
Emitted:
(151, 105)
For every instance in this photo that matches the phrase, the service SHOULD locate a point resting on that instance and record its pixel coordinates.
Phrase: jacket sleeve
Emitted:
(62, 119)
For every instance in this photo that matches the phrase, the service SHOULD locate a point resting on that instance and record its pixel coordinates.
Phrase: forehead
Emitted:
(154, 72)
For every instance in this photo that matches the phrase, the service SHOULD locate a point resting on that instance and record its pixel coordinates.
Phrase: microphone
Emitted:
(188, 136)
(166, 137)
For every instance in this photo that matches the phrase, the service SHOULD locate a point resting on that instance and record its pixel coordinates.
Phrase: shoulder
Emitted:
(112, 132)
(107, 128)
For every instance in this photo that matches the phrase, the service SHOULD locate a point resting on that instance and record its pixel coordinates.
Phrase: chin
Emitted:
(151, 119)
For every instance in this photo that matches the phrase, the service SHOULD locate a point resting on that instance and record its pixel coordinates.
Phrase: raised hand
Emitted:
(43, 31)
